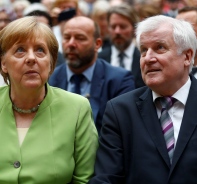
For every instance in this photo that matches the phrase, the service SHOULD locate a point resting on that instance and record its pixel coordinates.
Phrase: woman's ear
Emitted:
(3, 66)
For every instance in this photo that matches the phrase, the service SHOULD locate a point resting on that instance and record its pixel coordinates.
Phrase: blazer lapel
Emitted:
(62, 77)
(188, 125)
(149, 115)
(96, 88)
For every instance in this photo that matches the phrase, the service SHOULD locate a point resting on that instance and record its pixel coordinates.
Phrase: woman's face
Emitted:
(27, 63)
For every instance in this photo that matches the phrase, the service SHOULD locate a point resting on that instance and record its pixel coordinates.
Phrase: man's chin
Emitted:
(73, 64)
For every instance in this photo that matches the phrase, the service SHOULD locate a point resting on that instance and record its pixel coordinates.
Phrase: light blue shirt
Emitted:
(85, 83)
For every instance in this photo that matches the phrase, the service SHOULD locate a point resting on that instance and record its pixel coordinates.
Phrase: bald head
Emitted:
(85, 24)
(80, 43)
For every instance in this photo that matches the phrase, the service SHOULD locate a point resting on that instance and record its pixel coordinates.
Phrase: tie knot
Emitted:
(77, 78)
(121, 55)
(166, 102)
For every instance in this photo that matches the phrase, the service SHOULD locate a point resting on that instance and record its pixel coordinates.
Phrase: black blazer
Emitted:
(106, 55)
(132, 148)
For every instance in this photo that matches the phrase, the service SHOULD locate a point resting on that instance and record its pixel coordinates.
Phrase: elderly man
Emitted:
(149, 135)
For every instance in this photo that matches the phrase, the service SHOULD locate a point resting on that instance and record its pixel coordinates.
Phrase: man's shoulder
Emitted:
(60, 68)
(130, 96)
(105, 54)
(110, 70)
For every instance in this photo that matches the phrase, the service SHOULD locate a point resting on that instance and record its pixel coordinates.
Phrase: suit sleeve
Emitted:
(125, 84)
(86, 143)
(109, 167)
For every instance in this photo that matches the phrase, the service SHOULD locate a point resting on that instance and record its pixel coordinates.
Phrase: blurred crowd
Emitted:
(95, 9)
(56, 12)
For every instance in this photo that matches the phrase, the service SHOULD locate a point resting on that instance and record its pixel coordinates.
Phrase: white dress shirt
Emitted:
(128, 59)
(177, 110)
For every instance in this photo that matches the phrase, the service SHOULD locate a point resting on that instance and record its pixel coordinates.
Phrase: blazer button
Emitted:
(17, 164)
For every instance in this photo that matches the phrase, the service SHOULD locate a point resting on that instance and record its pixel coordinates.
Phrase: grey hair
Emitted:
(183, 32)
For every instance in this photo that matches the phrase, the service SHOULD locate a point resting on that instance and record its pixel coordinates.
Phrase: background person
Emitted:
(149, 134)
(190, 14)
(47, 134)
(99, 80)
(123, 51)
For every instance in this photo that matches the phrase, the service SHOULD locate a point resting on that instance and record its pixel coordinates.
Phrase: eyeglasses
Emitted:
(4, 20)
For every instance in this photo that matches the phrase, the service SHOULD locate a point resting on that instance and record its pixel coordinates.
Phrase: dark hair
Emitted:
(126, 11)
(96, 31)
(187, 9)
(41, 13)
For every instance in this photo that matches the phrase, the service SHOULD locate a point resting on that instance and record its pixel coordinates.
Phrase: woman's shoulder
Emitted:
(64, 95)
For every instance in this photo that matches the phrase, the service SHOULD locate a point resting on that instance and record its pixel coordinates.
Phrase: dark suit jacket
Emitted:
(106, 55)
(132, 148)
(107, 83)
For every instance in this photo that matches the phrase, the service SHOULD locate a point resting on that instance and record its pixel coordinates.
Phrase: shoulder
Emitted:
(60, 68)
(111, 69)
(105, 51)
(130, 96)
(63, 96)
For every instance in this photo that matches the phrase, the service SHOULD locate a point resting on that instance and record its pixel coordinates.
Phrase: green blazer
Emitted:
(59, 147)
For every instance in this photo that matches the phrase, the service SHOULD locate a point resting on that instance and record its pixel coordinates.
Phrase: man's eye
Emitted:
(40, 50)
(20, 49)
(160, 47)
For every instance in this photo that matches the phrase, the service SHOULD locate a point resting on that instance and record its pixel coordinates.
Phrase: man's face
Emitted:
(4, 19)
(191, 17)
(121, 31)
(78, 44)
(163, 69)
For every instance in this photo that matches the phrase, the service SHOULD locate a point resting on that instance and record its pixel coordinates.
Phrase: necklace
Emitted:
(28, 111)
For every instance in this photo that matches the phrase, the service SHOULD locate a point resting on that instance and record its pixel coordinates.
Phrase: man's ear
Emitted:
(98, 44)
(188, 57)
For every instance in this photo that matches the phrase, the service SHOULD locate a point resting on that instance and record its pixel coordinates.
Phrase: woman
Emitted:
(47, 135)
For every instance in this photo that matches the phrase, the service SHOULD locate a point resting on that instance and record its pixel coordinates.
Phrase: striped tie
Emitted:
(167, 124)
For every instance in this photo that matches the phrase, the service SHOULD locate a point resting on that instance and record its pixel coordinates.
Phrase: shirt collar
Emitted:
(128, 51)
(88, 73)
(181, 95)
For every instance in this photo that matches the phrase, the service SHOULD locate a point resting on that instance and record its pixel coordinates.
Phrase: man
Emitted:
(123, 52)
(100, 81)
(149, 135)
(190, 14)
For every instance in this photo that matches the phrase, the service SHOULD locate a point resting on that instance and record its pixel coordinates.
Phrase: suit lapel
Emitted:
(62, 77)
(135, 63)
(96, 87)
(188, 125)
(150, 119)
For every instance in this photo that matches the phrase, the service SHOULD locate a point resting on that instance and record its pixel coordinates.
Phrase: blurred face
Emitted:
(79, 45)
(121, 31)
(67, 5)
(103, 24)
(191, 17)
(4, 19)
(163, 70)
(43, 19)
(27, 64)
